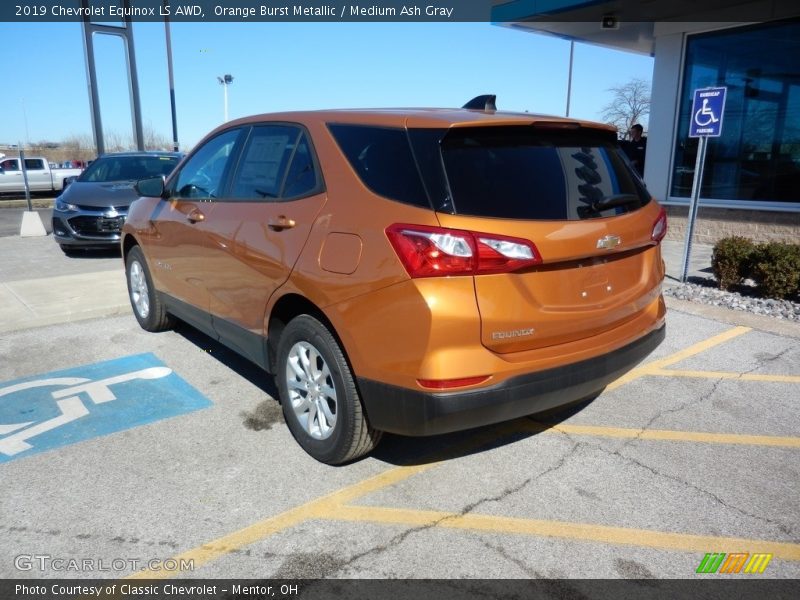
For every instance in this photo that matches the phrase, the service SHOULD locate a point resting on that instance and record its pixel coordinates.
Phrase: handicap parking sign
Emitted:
(64, 407)
(708, 107)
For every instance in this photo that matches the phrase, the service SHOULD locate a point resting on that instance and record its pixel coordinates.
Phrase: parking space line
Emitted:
(334, 505)
(267, 527)
(764, 377)
(703, 437)
(319, 507)
(692, 350)
(588, 532)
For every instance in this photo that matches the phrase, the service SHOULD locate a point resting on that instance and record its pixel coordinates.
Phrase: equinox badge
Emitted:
(608, 242)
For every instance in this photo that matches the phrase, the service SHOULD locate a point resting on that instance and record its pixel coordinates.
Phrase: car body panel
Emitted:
(596, 292)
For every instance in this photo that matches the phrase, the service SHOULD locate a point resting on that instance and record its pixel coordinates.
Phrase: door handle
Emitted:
(195, 215)
(281, 223)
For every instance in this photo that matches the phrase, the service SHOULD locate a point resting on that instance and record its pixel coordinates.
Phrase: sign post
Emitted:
(708, 108)
(25, 177)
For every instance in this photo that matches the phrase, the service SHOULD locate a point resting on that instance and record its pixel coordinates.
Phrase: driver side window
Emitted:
(204, 174)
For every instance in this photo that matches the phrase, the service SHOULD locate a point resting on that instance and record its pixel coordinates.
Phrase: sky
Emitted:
(294, 66)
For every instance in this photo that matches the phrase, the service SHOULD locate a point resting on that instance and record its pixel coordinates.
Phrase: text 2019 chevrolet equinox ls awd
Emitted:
(416, 271)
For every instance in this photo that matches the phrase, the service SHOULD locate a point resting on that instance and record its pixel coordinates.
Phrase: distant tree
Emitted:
(630, 105)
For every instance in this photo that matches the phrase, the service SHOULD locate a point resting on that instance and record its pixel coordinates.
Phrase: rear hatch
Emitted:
(563, 204)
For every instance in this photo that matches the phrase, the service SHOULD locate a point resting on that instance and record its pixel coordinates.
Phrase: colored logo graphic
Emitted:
(57, 409)
(719, 562)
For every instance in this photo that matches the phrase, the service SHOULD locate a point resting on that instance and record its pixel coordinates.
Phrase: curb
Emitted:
(96, 313)
(780, 327)
(36, 202)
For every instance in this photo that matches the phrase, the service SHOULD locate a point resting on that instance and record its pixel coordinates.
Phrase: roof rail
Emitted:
(485, 102)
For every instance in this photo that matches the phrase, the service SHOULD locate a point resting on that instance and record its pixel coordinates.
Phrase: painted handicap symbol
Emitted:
(705, 116)
(14, 436)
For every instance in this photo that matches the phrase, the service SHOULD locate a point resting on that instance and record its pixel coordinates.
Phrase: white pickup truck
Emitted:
(41, 178)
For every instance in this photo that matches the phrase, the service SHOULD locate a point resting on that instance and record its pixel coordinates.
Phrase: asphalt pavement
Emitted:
(183, 454)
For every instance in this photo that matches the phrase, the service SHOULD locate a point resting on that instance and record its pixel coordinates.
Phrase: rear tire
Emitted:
(320, 400)
(148, 308)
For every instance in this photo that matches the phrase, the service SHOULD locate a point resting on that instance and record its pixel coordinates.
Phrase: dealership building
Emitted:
(751, 182)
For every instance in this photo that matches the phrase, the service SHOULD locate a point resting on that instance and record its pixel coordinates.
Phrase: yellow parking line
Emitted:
(319, 507)
(692, 350)
(704, 437)
(262, 529)
(726, 375)
(604, 534)
(334, 502)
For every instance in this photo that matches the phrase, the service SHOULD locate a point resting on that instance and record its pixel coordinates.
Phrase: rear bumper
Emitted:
(417, 413)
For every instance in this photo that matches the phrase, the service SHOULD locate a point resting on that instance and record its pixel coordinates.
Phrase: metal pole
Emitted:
(133, 83)
(25, 119)
(171, 84)
(569, 78)
(25, 177)
(699, 165)
(91, 75)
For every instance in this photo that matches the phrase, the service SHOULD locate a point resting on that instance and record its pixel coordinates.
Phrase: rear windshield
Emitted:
(128, 168)
(516, 172)
(534, 173)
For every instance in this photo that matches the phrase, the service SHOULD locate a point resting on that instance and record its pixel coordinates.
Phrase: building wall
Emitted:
(663, 110)
(715, 223)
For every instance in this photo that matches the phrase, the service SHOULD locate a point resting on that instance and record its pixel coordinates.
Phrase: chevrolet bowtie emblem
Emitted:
(608, 242)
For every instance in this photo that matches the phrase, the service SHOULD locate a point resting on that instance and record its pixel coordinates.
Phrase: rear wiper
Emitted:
(614, 201)
(595, 208)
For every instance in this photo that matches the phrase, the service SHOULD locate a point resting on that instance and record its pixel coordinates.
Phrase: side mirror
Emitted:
(152, 187)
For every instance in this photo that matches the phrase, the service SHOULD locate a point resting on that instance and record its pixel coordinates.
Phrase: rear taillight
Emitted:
(437, 251)
(660, 226)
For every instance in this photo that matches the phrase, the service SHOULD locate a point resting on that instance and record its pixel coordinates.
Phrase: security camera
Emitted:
(609, 22)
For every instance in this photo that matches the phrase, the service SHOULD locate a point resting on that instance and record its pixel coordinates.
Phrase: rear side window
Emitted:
(536, 173)
(382, 159)
(34, 164)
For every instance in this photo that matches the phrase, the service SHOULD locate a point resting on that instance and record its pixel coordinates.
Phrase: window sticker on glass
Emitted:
(259, 175)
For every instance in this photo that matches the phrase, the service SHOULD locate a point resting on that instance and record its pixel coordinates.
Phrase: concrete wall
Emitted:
(715, 223)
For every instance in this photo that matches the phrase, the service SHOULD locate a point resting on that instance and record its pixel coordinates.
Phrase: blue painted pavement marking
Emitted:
(56, 409)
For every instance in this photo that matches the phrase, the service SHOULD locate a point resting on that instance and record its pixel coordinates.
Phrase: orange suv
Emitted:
(416, 271)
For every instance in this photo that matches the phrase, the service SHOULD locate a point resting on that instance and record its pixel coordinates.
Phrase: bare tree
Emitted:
(631, 104)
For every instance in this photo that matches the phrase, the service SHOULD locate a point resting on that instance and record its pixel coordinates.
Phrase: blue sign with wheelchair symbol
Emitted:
(65, 407)
(708, 108)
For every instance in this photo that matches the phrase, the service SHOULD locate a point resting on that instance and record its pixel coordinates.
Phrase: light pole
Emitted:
(225, 81)
(569, 77)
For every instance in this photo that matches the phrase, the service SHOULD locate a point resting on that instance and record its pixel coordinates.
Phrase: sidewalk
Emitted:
(39, 285)
(699, 263)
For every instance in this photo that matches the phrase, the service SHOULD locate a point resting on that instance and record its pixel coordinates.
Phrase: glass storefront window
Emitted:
(757, 157)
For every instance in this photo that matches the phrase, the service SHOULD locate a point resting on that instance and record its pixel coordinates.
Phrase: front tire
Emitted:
(148, 308)
(319, 396)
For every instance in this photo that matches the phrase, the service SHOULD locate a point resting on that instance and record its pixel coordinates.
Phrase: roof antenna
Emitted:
(485, 102)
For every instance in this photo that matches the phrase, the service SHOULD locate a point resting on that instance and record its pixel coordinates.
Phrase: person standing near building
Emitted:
(636, 148)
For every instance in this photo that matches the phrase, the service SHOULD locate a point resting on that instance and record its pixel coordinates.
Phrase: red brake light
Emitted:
(437, 251)
(659, 227)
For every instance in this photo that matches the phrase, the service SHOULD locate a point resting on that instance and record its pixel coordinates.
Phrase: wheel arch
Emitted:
(128, 242)
(285, 309)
